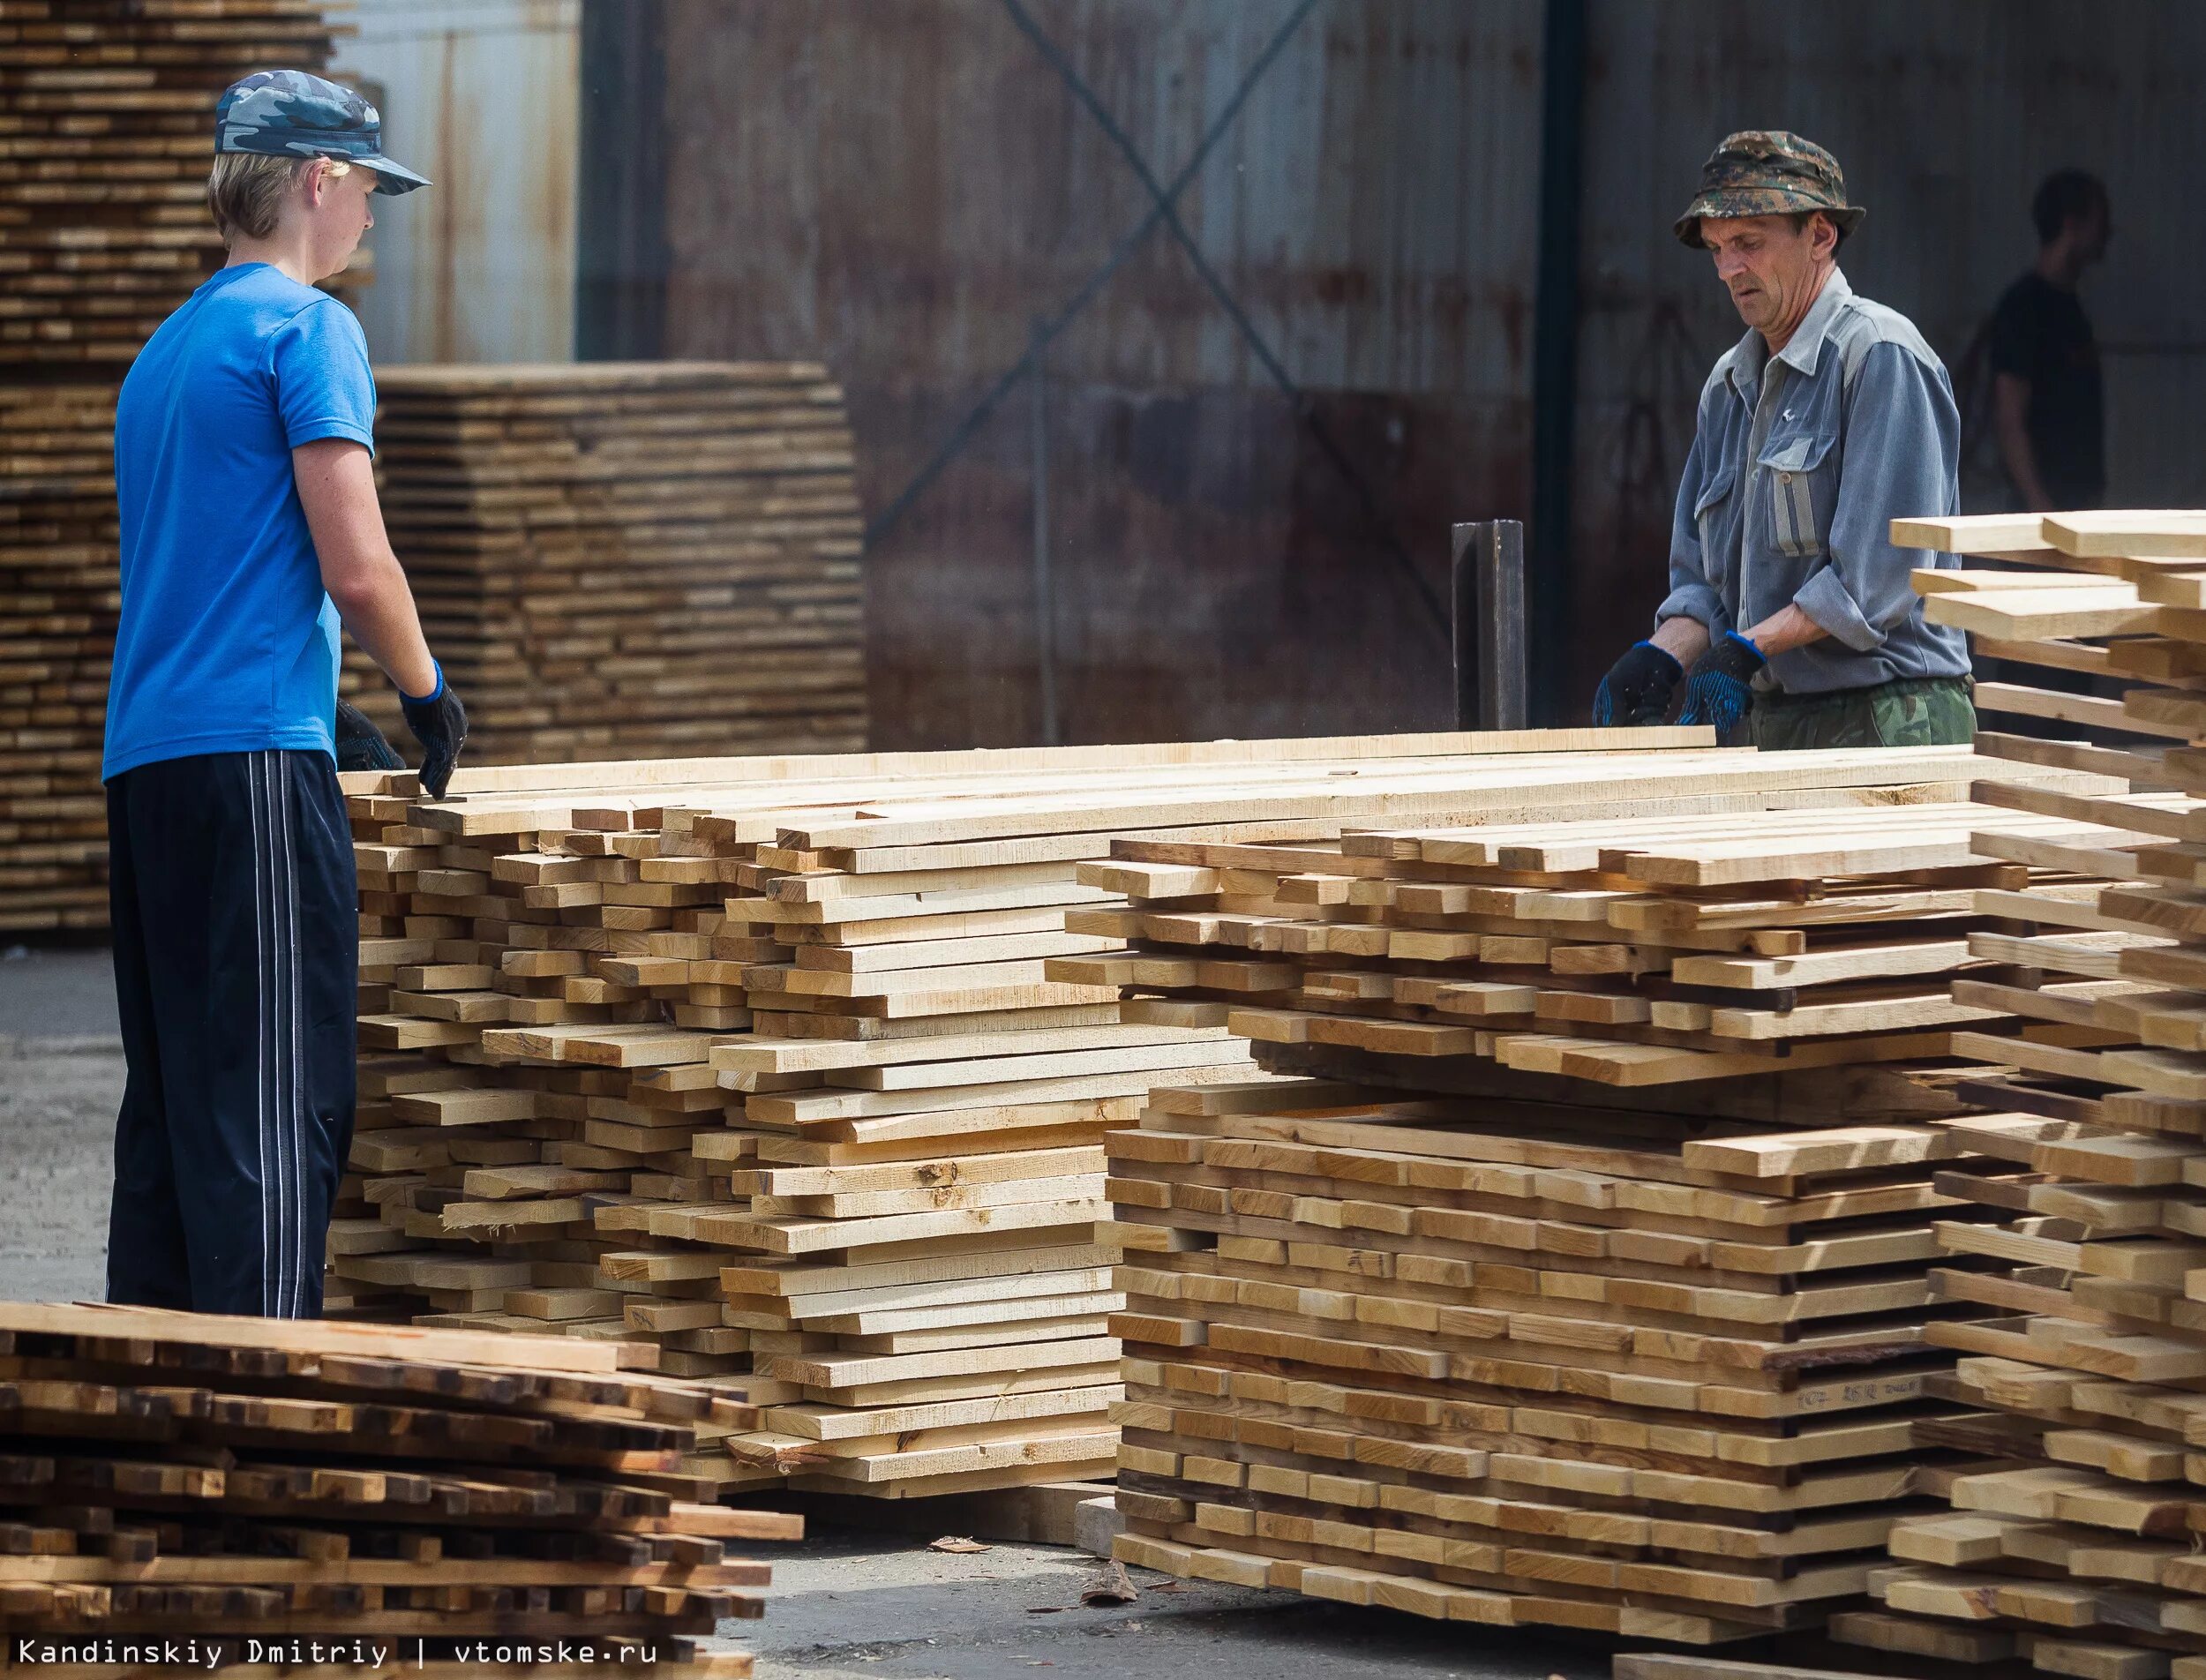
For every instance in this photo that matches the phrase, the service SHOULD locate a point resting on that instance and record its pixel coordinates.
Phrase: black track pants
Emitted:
(237, 952)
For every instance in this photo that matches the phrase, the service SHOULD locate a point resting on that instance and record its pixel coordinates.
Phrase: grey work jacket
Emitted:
(1800, 461)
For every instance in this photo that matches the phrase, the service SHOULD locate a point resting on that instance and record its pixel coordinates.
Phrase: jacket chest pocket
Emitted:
(1803, 480)
(1714, 520)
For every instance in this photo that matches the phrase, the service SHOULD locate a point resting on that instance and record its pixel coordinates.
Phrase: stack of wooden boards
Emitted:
(58, 597)
(629, 559)
(759, 1060)
(2077, 1549)
(176, 1475)
(107, 119)
(1557, 1356)
(1625, 949)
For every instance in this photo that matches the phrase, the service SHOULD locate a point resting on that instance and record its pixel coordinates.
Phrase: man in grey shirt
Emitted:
(1791, 620)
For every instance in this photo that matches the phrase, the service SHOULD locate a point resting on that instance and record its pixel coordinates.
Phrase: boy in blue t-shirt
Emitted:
(250, 529)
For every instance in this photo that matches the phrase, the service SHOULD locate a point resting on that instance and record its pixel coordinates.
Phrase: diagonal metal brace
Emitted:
(1168, 209)
(1050, 326)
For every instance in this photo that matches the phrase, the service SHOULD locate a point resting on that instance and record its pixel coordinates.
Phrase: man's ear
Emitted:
(315, 179)
(1822, 234)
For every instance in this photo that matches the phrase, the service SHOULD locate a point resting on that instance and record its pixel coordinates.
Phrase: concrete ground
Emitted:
(845, 1605)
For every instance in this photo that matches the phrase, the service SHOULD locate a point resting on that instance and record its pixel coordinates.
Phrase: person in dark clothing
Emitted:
(2047, 405)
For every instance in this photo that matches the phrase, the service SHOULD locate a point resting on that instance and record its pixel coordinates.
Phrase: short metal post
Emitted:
(1492, 687)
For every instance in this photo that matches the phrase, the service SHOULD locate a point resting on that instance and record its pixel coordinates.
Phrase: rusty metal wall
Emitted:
(901, 186)
(1946, 114)
(481, 97)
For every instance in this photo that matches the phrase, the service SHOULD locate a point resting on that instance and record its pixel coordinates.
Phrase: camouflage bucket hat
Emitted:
(288, 113)
(1767, 172)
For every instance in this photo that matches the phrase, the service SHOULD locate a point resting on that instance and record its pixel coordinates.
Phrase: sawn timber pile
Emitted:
(1647, 1364)
(1626, 950)
(871, 1105)
(180, 1475)
(59, 594)
(107, 121)
(2077, 1549)
(627, 560)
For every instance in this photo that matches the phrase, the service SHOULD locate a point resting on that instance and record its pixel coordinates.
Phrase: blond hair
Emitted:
(246, 191)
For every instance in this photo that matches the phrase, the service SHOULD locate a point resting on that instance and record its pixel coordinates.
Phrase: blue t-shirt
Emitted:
(227, 642)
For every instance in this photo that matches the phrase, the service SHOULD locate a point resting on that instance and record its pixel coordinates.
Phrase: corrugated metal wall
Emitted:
(901, 186)
(482, 96)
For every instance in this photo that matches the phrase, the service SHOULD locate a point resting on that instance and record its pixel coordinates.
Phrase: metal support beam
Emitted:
(622, 257)
(1555, 343)
(1492, 687)
(1045, 592)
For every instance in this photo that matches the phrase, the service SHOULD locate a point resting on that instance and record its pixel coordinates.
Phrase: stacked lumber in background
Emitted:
(1628, 950)
(758, 1060)
(2076, 1549)
(1647, 1363)
(109, 133)
(107, 122)
(58, 598)
(627, 560)
(182, 1475)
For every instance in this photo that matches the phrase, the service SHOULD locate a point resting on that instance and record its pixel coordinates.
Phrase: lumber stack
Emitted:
(2076, 1548)
(1627, 950)
(624, 561)
(176, 1475)
(59, 600)
(109, 127)
(106, 123)
(1644, 1363)
(758, 1061)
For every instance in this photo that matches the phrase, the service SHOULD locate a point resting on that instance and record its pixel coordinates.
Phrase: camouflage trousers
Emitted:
(1918, 711)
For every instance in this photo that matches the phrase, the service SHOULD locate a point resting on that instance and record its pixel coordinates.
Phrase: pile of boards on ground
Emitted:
(2076, 1547)
(1581, 1277)
(759, 1061)
(177, 1475)
(108, 133)
(627, 560)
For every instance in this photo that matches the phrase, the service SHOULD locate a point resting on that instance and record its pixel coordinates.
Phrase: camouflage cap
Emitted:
(1767, 172)
(288, 113)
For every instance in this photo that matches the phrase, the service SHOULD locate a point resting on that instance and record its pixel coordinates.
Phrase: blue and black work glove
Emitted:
(1721, 688)
(1638, 689)
(439, 723)
(360, 744)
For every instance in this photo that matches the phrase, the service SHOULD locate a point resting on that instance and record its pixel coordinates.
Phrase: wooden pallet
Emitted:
(169, 1475)
(623, 559)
